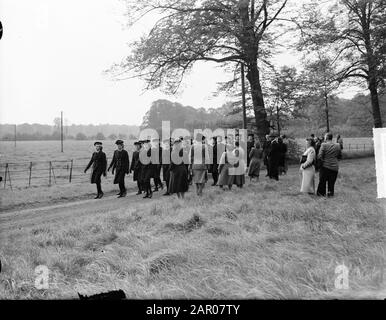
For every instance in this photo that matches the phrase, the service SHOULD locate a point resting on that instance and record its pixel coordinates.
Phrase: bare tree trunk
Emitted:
(278, 119)
(262, 124)
(372, 80)
(327, 112)
(375, 104)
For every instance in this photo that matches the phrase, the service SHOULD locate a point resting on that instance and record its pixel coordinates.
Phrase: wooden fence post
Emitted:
(30, 174)
(71, 170)
(49, 175)
(5, 174)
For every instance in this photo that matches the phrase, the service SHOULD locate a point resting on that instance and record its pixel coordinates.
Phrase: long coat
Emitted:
(148, 170)
(121, 165)
(179, 176)
(136, 166)
(99, 165)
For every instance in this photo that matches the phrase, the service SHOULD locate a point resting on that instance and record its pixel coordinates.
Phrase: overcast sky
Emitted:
(52, 55)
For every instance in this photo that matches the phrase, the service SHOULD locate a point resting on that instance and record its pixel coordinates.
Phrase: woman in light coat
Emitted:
(239, 167)
(307, 168)
(226, 162)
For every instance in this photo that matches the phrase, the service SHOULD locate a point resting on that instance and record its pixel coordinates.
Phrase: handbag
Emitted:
(303, 159)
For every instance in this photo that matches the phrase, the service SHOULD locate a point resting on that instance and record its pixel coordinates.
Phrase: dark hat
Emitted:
(177, 141)
(119, 142)
(97, 143)
(137, 143)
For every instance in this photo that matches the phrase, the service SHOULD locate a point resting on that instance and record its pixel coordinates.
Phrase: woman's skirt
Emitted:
(254, 168)
(224, 178)
(239, 180)
(179, 179)
(308, 180)
(200, 175)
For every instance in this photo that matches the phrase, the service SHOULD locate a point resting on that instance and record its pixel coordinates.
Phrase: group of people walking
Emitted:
(184, 163)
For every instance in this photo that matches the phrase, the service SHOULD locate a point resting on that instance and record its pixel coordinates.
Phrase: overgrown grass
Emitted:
(264, 241)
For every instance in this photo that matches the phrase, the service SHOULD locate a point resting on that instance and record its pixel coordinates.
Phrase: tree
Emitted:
(112, 136)
(320, 81)
(80, 136)
(228, 32)
(284, 99)
(356, 31)
(100, 136)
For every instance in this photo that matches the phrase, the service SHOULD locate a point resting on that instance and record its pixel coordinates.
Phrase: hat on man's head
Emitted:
(97, 143)
(137, 143)
(118, 142)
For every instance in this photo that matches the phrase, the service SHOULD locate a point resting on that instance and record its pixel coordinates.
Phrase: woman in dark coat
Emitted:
(135, 166)
(99, 164)
(179, 175)
(121, 165)
(148, 171)
(166, 150)
(283, 152)
(255, 156)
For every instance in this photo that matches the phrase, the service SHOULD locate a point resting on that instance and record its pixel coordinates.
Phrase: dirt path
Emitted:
(19, 219)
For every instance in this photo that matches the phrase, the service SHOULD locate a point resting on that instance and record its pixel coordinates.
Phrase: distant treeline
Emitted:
(348, 117)
(29, 132)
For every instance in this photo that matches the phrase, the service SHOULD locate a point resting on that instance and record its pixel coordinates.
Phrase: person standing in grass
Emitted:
(121, 165)
(274, 159)
(282, 155)
(99, 165)
(266, 151)
(307, 168)
(328, 156)
(239, 166)
(166, 150)
(255, 156)
(199, 162)
(226, 162)
(178, 173)
(148, 170)
(136, 166)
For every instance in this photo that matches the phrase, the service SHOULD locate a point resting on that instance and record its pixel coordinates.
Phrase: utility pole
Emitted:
(243, 96)
(61, 130)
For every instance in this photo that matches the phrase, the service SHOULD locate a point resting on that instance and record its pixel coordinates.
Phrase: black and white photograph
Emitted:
(193, 150)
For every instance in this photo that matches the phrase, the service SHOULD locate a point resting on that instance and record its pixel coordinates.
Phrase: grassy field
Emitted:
(264, 241)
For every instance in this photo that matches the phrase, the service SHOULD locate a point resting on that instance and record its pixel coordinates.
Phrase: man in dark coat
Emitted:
(121, 165)
(135, 166)
(99, 164)
(266, 151)
(147, 170)
(213, 153)
(156, 159)
(250, 145)
(166, 151)
(274, 159)
(283, 151)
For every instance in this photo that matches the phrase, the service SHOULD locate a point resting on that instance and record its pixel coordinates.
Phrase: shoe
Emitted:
(166, 194)
(118, 194)
(122, 195)
(150, 195)
(100, 195)
(97, 196)
(146, 196)
(139, 192)
(320, 195)
(162, 186)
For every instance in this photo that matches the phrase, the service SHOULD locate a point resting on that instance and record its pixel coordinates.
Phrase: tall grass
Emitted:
(263, 241)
